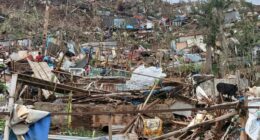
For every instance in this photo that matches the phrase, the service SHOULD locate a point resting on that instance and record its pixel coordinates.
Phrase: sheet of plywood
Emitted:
(42, 71)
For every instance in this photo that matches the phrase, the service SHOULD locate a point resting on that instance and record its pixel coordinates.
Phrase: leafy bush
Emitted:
(3, 87)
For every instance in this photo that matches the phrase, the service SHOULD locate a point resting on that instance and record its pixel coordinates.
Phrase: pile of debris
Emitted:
(143, 102)
(125, 75)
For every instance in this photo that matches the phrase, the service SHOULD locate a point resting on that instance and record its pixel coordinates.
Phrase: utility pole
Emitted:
(45, 27)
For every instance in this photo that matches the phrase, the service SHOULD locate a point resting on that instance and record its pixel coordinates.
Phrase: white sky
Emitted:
(256, 2)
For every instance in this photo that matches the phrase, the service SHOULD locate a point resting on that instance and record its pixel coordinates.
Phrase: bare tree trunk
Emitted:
(223, 56)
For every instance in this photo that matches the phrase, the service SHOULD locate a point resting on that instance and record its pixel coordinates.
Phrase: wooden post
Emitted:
(39, 95)
(238, 80)
(60, 63)
(70, 110)
(242, 119)
(10, 105)
(70, 104)
(244, 112)
(110, 127)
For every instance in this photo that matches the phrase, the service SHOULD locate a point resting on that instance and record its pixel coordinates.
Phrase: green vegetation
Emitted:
(3, 87)
(82, 133)
(2, 125)
(188, 68)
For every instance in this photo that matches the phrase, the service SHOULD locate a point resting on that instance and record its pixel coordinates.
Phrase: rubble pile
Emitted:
(133, 69)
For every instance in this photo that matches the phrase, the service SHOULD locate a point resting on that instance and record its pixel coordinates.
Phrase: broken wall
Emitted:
(88, 121)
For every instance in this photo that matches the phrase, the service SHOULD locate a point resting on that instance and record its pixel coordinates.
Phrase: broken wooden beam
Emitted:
(61, 88)
(114, 79)
(180, 123)
(171, 134)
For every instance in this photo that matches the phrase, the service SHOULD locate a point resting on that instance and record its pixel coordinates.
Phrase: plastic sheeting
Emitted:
(139, 80)
(37, 131)
(253, 125)
(29, 124)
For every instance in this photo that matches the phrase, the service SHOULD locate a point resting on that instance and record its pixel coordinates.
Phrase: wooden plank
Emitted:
(42, 71)
(107, 79)
(44, 84)
(110, 127)
(41, 75)
(37, 69)
(48, 72)
(10, 105)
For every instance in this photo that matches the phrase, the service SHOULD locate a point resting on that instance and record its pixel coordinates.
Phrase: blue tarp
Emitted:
(37, 131)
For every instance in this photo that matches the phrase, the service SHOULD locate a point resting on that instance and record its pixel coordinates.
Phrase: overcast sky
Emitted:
(257, 2)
